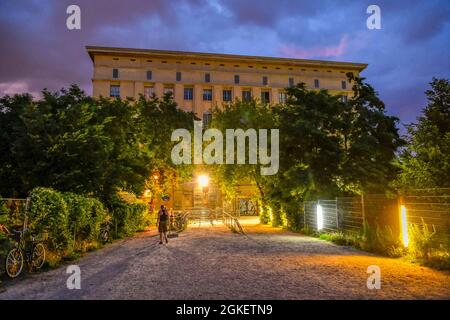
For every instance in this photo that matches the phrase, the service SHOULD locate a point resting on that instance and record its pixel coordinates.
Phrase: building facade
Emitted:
(200, 81)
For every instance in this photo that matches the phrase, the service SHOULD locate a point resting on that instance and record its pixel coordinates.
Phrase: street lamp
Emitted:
(203, 180)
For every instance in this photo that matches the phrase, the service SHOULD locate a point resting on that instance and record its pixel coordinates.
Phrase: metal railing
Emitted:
(232, 222)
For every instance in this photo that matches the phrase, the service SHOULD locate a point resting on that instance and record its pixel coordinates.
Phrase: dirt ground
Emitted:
(210, 262)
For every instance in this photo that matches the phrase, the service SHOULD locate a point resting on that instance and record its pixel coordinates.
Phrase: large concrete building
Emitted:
(201, 80)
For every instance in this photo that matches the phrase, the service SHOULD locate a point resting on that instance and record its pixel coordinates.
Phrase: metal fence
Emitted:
(350, 214)
(430, 207)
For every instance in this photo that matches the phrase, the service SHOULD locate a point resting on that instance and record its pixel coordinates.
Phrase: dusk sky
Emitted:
(38, 51)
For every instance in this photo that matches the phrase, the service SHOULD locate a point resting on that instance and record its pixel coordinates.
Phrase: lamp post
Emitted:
(203, 182)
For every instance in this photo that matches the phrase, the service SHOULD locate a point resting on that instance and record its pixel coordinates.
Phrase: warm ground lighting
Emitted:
(203, 180)
(319, 217)
(405, 238)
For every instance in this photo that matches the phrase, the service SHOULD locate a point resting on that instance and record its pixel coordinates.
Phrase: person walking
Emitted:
(163, 221)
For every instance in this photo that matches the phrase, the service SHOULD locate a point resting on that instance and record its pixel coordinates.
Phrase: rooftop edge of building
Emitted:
(164, 54)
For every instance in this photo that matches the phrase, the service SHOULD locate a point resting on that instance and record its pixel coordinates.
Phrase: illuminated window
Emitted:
(207, 117)
(227, 95)
(316, 83)
(114, 91)
(168, 90)
(282, 96)
(291, 82)
(246, 95)
(207, 94)
(149, 91)
(265, 96)
(188, 93)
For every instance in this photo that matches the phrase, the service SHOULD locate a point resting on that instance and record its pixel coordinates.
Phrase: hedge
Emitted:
(127, 217)
(70, 218)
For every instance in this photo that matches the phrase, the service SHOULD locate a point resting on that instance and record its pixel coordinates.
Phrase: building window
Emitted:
(265, 96)
(114, 91)
(246, 95)
(236, 79)
(316, 83)
(344, 85)
(115, 73)
(149, 75)
(227, 95)
(344, 99)
(207, 77)
(265, 80)
(149, 91)
(291, 82)
(178, 76)
(188, 93)
(282, 96)
(207, 94)
(168, 90)
(207, 117)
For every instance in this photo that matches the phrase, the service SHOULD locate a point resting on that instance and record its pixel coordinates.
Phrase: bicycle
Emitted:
(105, 232)
(32, 251)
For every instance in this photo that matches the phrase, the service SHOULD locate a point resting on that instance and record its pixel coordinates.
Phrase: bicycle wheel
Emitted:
(104, 236)
(38, 257)
(14, 263)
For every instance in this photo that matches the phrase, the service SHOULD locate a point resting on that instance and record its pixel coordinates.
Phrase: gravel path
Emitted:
(213, 263)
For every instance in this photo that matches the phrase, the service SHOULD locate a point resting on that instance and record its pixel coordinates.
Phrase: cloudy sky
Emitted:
(37, 51)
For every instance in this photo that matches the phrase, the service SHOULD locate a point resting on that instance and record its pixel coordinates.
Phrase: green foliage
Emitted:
(264, 214)
(67, 217)
(380, 240)
(85, 216)
(3, 212)
(127, 217)
(49, 212)
(422, 239)
(75, 143)
(241, 115)
(425, 162)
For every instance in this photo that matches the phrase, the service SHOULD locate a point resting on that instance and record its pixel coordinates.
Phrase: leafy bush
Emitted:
(127, 217)
(86, 216)
(49, 212)
(381, 240)
(67, 217)
(421, 240)
(264, 214)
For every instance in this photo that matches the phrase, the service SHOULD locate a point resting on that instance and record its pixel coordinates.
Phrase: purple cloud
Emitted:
(413, 45)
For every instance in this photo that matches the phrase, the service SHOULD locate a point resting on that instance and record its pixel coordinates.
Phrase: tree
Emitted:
(327, 147)
(370, 141)
(241, 115)
(72, 142)
(425, 161)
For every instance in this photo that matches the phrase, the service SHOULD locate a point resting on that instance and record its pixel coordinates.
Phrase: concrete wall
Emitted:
(133, 72)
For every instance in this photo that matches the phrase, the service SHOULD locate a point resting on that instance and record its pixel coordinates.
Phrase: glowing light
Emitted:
(404, 226)
(319, 217)
(203, 180)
